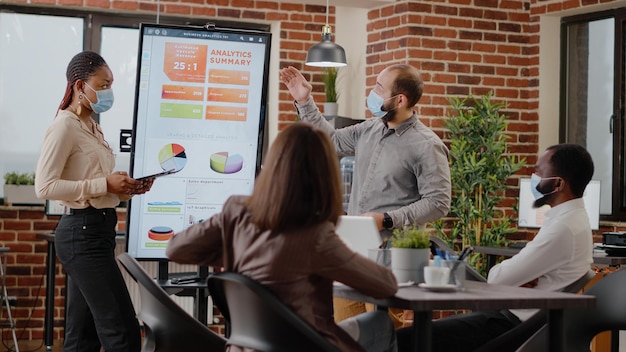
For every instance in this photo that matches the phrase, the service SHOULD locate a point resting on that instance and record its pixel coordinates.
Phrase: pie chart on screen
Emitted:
(172, 157)
(225, 163)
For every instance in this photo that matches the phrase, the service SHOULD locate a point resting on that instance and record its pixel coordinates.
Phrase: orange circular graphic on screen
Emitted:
(160, 233)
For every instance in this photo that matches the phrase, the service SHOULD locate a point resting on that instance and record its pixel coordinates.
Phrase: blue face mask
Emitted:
(104, 100)
(535, 180)
(375, 104)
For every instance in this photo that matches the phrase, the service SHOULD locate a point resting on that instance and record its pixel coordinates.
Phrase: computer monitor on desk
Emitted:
(533, 218)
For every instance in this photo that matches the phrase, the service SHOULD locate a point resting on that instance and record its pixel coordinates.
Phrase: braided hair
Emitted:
(81, 67)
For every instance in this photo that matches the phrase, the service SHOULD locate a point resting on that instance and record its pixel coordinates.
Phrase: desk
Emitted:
(599, 257)
(477, 296)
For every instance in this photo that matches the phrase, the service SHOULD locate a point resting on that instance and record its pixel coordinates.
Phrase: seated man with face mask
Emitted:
(559, 255)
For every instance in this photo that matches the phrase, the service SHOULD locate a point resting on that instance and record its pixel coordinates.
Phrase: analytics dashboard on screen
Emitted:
(199, 118)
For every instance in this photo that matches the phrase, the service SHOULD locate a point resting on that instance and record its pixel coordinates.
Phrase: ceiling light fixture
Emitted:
(326, 53)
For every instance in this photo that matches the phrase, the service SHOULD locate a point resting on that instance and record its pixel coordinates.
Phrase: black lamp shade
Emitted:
(326, 54)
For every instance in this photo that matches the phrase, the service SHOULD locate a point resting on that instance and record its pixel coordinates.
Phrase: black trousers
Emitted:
(99, 309)
(463, 332)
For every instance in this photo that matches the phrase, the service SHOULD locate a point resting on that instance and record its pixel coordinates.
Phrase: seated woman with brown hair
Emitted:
(283, 236)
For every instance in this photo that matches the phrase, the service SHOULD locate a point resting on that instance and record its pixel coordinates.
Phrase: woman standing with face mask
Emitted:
(76, 167)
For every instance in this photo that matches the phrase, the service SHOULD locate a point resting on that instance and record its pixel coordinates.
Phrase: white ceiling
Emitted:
(364, 4)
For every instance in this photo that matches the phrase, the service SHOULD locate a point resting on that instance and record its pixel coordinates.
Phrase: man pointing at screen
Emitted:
(402, 176)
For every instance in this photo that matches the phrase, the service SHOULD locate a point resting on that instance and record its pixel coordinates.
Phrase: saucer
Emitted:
(443, 288)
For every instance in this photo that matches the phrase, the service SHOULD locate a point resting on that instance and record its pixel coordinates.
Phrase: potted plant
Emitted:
(480, 166)
(19, 189)
(410, 252)
(329, 77)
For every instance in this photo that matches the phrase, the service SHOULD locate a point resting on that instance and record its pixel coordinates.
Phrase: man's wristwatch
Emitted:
(387, 221)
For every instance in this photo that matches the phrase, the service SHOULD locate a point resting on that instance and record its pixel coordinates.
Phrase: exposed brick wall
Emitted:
(469, 47)
(26, 269)
(461, 46)
(464, 47)
(26, 266)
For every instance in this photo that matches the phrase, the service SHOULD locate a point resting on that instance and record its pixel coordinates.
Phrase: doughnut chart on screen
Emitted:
(200, 106)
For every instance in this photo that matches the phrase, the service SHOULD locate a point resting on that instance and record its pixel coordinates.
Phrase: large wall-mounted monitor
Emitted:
(199, 116)
(531, 217)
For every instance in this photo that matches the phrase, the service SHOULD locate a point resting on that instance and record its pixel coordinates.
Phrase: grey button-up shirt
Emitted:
(402, 171)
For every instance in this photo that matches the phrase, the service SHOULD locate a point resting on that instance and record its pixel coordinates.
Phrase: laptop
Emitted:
(359, 233)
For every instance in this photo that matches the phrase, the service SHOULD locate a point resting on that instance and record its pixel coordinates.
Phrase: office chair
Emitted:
(514, 338)
(470, 273)
(257, 319)
(582, 325)
(168, 328)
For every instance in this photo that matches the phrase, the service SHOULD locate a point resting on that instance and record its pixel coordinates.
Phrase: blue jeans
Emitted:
(99, 309)
(374, 331)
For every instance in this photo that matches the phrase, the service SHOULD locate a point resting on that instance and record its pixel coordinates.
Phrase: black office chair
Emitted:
(470, 273)
(582, 325)
(168, 328)
(514, 338)
(257, 319)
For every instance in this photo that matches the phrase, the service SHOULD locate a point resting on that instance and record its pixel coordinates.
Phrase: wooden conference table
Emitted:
(476, 296)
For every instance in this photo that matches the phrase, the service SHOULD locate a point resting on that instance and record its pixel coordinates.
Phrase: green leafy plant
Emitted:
(479, 168)
(329, 77)
(411, 237)
(16, 178)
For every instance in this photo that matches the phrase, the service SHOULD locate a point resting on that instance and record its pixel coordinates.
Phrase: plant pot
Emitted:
(330, 110)
(21, 195)
(407, 264)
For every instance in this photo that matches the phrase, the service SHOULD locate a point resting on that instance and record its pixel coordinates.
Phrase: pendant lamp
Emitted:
(326, 53)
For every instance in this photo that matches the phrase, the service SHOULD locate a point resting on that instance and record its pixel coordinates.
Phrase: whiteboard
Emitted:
(530, 217)
(199, 110)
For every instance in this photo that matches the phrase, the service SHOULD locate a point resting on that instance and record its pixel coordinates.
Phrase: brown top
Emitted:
(299, 267)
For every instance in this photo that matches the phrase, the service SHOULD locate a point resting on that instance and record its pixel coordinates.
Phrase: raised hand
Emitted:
(299, 87)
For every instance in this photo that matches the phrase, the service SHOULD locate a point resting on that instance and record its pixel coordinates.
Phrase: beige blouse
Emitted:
(74, 163)
(299, 266)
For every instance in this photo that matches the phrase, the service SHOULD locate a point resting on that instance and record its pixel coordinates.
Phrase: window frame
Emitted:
(618, 195)
(94, 20)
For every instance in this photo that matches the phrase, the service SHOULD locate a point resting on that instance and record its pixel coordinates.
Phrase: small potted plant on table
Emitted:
(410, 252)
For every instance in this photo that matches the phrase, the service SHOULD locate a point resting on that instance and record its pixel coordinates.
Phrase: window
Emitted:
(35, 46)
(592, 100)
(32, 81)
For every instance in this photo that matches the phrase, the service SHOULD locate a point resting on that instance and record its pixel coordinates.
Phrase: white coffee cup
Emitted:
(436, 275)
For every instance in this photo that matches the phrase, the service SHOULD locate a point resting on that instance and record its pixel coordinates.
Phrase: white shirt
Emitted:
(560, 253)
